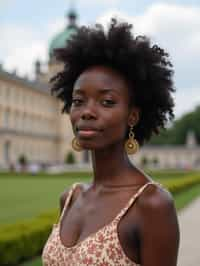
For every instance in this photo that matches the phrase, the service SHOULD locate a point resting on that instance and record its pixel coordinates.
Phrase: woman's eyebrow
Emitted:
(78, 91)
(106, 90)
(101, 91)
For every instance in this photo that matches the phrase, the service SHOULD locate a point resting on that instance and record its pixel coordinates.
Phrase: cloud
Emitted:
(176, 28)
(113, 13)
(20, 47)
(173, 27)
(4, 3)
(99, 2)
(187, 101)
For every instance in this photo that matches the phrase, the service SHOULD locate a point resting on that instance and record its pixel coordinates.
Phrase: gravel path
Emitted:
(189, 221)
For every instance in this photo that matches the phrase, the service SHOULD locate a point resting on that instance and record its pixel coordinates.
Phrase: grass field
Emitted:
(25, 196)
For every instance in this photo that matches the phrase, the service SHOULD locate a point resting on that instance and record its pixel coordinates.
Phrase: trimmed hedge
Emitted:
(80, 175)
(23, 241)
(180, 184)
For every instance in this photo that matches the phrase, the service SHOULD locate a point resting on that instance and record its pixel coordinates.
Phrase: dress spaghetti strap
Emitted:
(68, 199)
(133, 198)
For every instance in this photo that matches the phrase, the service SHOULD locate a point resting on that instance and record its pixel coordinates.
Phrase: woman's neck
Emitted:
(112, 167)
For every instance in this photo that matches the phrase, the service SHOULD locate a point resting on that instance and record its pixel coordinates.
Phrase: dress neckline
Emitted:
(92, 235)
(113, 222)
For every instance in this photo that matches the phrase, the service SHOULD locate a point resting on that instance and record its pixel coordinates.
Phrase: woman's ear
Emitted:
(134, 116)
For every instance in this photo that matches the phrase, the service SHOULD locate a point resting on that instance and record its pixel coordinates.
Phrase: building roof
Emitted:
(33, 84)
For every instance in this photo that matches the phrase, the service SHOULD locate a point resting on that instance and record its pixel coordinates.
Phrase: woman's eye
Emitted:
(108, 102)
(76, 101)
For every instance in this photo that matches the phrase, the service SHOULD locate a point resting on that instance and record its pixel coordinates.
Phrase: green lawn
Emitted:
(168, 174)
(27, 196)
(24, 196)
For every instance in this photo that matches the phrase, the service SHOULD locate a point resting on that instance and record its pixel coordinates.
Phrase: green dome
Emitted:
(60, 40)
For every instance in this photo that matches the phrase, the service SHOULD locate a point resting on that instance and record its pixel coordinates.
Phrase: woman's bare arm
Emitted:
(159, 228)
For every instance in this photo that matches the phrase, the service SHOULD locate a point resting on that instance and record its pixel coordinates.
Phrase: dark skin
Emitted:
(149, 232)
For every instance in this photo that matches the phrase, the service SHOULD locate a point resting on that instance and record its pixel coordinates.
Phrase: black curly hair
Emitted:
(146, 67)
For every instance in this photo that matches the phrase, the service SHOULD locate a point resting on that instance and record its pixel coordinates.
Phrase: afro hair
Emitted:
(146, 67)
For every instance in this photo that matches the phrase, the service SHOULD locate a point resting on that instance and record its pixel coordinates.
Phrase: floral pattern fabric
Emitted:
(100, 249)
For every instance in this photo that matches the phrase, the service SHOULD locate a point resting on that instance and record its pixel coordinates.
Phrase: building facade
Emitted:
(31, 123)
(168, 157)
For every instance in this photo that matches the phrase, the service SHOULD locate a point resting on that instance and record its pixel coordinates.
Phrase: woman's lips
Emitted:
(87, 132)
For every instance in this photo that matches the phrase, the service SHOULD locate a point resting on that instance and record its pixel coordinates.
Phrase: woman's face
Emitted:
(100, 112)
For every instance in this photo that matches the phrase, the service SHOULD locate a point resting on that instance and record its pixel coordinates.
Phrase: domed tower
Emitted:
(60, 40)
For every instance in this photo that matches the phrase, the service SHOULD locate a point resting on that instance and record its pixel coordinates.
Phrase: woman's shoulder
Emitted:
(156, 204)
(155, 196)
(152, 194)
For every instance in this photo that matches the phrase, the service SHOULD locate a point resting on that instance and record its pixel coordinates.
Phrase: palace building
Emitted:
(31, 123)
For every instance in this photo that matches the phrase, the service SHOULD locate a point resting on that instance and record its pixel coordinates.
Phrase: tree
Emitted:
(155, 161)
(144, 161)
(177, 133)
(22, 160)
(70, 158)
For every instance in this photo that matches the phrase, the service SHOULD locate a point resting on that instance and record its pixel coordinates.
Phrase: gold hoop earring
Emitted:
(76, 145)
(131, 145)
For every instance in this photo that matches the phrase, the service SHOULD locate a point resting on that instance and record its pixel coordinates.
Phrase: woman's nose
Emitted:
(89, 111)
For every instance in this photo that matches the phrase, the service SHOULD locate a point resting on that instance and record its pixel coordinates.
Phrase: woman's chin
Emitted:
(89, 145)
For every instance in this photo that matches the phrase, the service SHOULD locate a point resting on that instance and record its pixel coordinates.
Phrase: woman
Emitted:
(117, 91)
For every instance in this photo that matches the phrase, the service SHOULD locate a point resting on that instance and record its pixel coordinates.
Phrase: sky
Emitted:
(27, 28)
